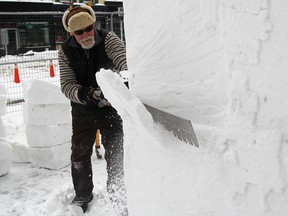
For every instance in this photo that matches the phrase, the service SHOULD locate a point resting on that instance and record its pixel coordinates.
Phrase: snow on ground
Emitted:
(30, 190)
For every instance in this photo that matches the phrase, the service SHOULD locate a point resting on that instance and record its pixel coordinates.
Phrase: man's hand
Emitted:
(94, 95)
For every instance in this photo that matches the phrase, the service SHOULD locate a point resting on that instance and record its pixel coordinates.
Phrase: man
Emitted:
(83, 54)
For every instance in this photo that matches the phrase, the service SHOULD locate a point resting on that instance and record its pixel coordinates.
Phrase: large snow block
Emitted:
(3, 100)
(48, 135)
(41, 92)
(50, 114)
(6, 157)
(55, 157)
(20, 153)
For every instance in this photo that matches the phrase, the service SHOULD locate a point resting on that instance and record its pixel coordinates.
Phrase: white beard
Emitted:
(87, 46)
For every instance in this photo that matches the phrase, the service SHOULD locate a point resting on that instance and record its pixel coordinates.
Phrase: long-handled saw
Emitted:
(180, 127)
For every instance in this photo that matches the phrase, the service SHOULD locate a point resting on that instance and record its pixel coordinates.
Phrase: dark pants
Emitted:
(83, 139)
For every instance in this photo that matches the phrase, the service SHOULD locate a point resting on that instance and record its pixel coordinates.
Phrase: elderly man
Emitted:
(81, 56)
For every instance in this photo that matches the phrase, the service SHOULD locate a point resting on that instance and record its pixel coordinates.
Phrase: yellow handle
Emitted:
(97, 140)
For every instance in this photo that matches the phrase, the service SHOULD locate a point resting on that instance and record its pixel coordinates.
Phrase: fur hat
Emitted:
(77, 18)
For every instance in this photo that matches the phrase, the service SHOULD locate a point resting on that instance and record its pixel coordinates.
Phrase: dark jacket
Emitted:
(85, 64)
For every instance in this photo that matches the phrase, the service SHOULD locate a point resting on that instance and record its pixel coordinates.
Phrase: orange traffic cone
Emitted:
(16, 74)
(52, 74)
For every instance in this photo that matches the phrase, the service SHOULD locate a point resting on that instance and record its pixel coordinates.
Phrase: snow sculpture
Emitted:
(223, 65)
(48, 124)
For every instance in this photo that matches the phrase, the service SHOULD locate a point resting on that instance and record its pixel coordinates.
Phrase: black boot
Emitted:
(82, 201)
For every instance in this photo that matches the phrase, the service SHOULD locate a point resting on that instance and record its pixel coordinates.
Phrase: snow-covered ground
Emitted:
(220, 63)
(29, 190)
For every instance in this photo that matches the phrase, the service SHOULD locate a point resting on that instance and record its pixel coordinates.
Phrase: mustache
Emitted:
(84, 40)
(87, 39)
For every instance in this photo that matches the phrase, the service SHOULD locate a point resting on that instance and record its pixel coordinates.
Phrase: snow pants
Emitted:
(83, 138)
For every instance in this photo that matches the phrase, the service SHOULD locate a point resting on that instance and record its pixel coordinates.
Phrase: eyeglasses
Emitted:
(80, 32)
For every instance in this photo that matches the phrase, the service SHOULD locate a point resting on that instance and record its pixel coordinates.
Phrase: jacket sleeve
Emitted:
(68, 81)
(116, 51)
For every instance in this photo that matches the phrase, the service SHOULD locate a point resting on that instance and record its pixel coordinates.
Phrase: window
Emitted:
(34, 34)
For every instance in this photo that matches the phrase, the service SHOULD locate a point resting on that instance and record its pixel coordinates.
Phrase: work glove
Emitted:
(94, 95)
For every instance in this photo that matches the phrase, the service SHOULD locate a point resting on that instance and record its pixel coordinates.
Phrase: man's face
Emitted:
(85, 37)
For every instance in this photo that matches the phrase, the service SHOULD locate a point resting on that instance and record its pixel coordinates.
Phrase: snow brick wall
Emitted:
(47, 114)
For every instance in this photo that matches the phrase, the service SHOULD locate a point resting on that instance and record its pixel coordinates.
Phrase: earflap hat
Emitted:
(77, 18)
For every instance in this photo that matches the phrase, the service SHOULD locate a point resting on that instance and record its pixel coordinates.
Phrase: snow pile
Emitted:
(221, 64)
(6, 153)
(47, 114)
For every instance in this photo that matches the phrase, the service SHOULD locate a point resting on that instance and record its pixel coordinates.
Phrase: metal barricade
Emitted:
(29, 44)
(14, 70)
